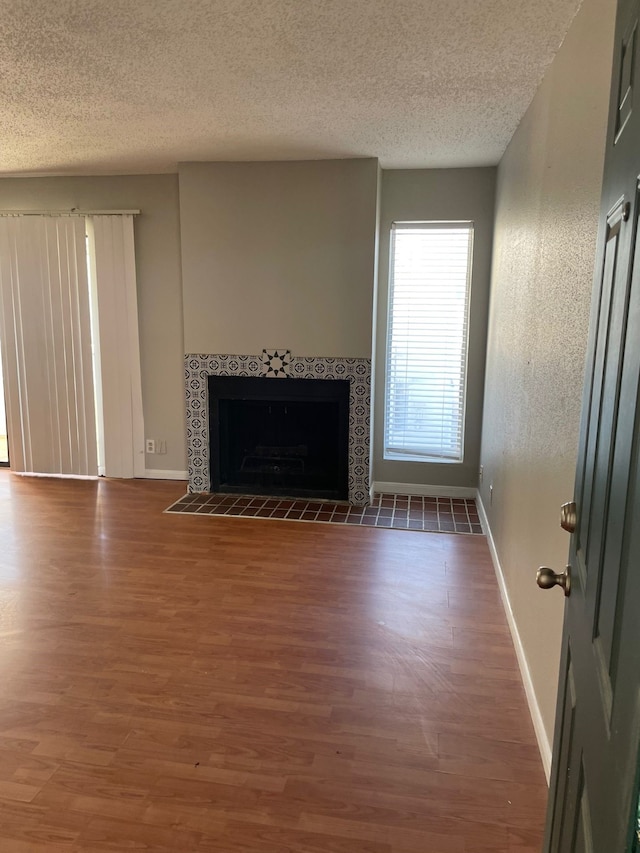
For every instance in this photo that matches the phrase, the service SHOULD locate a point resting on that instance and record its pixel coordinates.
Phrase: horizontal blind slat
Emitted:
(427, 339)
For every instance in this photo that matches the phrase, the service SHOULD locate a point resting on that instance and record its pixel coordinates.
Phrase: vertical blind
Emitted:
(46, 345)
(70, 348)
(113, 280)
(427, 337)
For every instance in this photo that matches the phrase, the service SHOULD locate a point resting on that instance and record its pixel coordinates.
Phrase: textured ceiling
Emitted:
(103, 86)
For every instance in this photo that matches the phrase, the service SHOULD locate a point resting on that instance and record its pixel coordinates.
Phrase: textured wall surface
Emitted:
(279, 256)
(410, 195)
(547, 205)
(157, 236)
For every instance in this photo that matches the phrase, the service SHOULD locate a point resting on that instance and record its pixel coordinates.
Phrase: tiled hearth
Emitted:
(357, 370)
(400, 512)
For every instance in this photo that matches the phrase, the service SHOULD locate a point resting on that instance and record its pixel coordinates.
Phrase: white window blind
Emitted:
(429, 288)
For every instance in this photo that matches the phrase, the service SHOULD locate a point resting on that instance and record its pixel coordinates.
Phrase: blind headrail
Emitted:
(74, 211)
(411, 225)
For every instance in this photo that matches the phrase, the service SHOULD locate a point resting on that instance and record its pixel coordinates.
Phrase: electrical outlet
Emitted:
(150, 445)
(481, 473)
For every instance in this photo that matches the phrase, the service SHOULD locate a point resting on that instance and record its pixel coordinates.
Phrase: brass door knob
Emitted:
(547, 578)
(568, 517)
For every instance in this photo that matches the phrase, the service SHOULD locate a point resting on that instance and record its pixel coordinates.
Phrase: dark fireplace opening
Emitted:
(279, 436)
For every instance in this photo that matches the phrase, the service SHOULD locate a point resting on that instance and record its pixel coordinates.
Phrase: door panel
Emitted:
(566, 795)
(583, 838)
(610, 265)
(593, 795)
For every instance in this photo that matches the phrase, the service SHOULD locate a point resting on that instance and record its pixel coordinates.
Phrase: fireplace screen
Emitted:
(279, 436)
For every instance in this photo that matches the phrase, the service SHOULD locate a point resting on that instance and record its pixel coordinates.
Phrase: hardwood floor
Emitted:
(172, 683)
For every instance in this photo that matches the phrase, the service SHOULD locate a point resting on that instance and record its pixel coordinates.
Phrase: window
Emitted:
(427, 335)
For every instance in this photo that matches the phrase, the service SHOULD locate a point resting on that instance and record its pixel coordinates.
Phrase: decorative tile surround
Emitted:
(276, 363)
(357, 370)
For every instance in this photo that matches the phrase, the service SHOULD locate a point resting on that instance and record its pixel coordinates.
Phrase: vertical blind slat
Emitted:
(111, 238)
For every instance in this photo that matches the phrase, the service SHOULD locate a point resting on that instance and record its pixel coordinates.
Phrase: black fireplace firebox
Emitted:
(279, 436)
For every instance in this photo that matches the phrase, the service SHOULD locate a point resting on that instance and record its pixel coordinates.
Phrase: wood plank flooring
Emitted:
(172, 683)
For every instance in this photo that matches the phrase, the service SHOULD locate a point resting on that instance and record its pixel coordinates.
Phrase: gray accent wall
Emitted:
(269, 255)
(279, 255)
(437, 195)
(548, 194)
(238, 257)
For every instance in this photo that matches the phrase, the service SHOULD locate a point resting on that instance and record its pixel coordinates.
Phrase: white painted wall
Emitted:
(547, 206)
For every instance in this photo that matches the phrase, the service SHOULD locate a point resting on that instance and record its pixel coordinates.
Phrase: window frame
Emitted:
(429, 456)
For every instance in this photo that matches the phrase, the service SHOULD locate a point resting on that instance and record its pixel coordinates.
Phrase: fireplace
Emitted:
(279, 437)
(199, 367)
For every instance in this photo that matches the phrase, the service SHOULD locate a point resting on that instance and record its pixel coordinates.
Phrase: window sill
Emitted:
(431, 460)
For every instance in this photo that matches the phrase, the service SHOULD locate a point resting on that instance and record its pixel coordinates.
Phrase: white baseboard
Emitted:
(429, 491)
(55, 476)
(149, 474)
(534, 709)
(158, 474)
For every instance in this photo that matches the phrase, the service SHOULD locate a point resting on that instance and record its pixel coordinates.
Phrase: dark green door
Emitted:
(593, 795)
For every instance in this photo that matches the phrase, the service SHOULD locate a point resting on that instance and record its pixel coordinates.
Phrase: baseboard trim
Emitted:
(149, 474)
(429, 491)
(55, 476)
(159, 474)
(534, 709)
